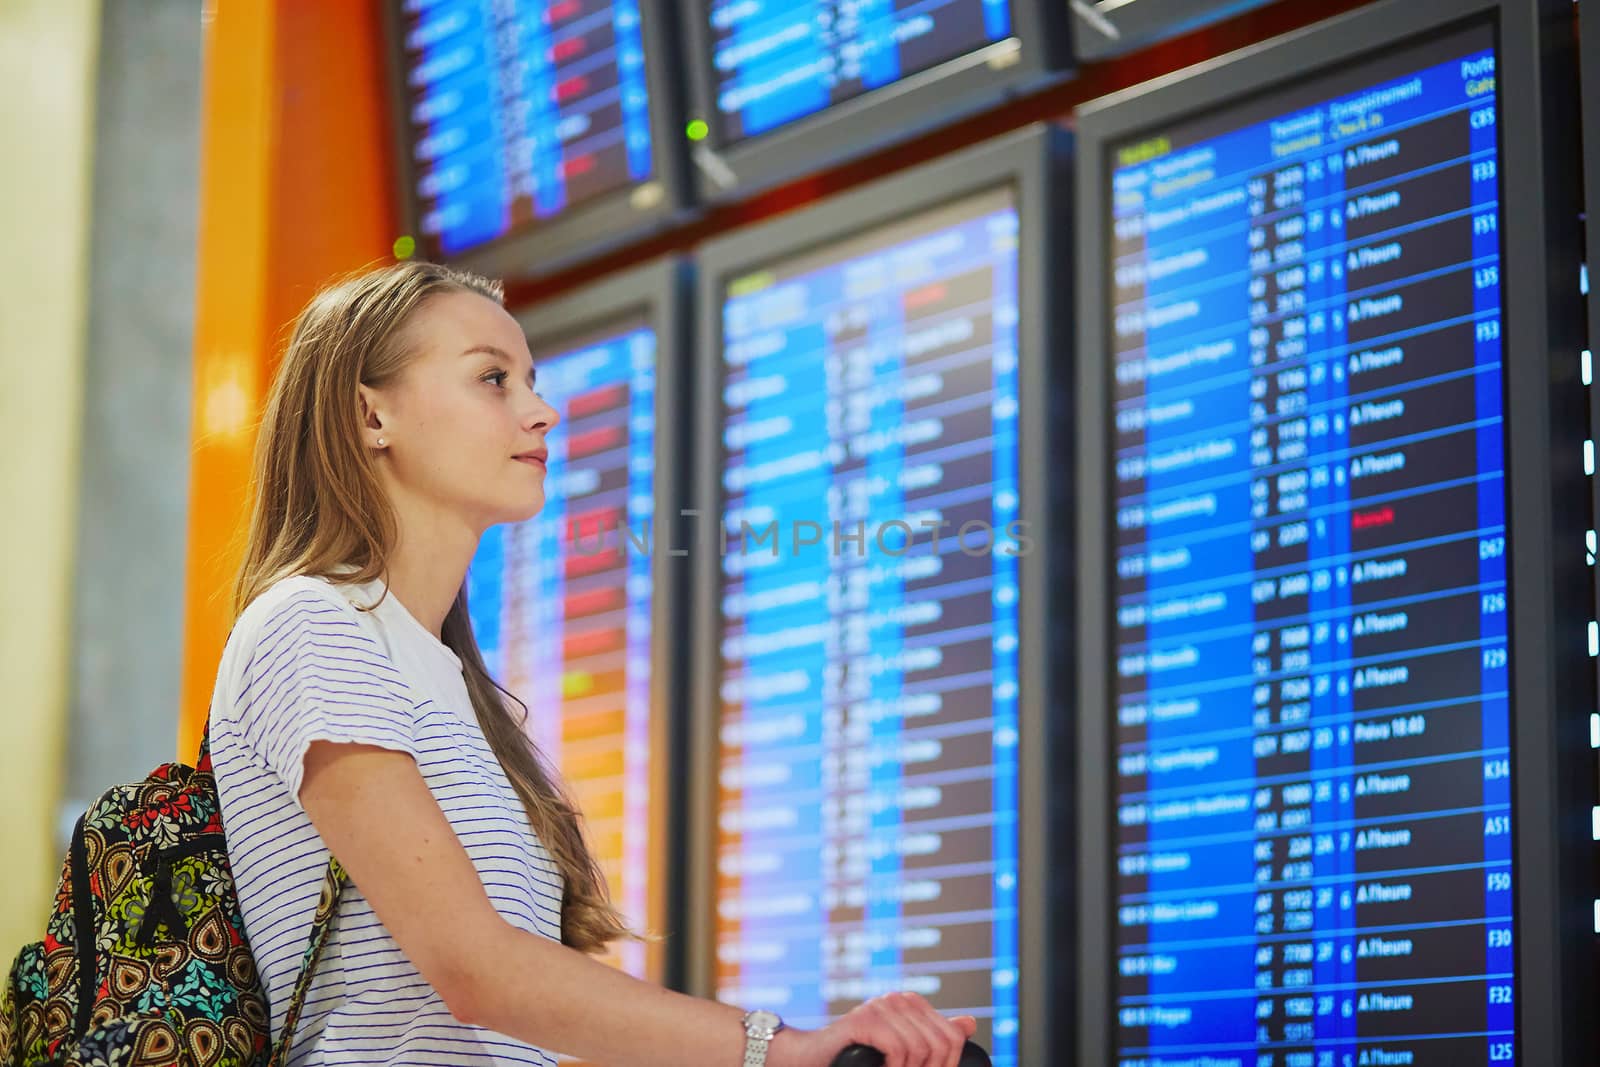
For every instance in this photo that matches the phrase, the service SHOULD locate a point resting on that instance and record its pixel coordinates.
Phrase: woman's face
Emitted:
(462, 412)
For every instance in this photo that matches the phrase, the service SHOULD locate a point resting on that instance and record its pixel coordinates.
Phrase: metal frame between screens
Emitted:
(1039, 48)
(1551, 683)
(1033, 163)
(589, 230)
(658, 291)
(1142, 22)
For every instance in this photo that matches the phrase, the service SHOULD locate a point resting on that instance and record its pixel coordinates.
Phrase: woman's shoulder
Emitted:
(286, 595)
(308, 603)
(303, 626)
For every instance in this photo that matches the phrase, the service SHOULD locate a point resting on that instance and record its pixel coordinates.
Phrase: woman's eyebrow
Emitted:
(491, 349)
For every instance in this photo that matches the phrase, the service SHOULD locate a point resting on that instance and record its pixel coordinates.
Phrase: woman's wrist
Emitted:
(791, 1048)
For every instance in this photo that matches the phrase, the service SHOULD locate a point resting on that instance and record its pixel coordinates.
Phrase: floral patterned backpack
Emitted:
(144, 961)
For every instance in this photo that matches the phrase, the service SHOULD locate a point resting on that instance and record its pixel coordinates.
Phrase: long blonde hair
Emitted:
(319, 509)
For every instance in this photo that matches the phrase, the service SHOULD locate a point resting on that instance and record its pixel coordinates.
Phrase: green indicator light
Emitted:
(405, 247)
(698, 129)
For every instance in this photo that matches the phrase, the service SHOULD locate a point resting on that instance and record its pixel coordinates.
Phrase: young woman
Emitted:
(353, 713)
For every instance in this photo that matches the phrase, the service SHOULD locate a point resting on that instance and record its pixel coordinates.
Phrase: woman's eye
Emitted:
(500, 375)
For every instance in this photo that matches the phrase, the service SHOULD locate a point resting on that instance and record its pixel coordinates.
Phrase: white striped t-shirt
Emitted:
(301, 665)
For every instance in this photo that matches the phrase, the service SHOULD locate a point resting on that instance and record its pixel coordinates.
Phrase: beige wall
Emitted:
(48, 51)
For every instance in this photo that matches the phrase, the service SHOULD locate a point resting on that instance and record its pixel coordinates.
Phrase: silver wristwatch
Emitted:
(760, 1027)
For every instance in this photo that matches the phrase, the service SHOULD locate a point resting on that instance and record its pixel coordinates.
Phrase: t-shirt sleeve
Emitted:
(313, 673)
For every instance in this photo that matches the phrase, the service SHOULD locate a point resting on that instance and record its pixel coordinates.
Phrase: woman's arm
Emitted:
(374, 811)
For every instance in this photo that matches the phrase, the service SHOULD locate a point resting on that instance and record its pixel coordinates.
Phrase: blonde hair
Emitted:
(319, 509)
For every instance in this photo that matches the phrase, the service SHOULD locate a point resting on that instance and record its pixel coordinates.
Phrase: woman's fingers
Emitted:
(955, 1037)
(908, 1031)
(911, 1046)
(947, 1035)
(933, 1040)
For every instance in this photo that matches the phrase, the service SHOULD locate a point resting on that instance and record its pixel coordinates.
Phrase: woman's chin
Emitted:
(525, 510)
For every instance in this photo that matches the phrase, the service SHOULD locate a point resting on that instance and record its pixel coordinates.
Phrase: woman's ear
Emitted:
(372, 428)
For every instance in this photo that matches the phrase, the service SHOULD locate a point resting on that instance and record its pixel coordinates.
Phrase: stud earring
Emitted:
(380, 442)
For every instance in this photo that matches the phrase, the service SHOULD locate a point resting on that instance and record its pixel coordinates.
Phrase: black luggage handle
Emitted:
(863, 1056)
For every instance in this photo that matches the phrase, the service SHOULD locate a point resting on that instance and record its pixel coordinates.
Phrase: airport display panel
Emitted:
(524, 119)
(781, 90)
(1312, 738)
(778, 62)
(875, 660)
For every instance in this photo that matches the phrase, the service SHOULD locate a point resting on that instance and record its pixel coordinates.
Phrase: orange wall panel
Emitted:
(295, 188)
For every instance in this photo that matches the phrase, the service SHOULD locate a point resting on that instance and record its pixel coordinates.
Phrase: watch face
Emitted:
(763, 1022)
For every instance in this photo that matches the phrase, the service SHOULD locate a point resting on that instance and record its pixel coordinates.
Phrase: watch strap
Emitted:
(757, 1041)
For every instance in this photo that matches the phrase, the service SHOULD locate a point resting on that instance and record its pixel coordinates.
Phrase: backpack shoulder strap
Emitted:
(327, 908)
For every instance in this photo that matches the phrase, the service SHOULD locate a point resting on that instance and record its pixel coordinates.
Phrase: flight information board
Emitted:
(561, 604)
(1313, 816)
(521, 111)
(867, 815)
(776, 62)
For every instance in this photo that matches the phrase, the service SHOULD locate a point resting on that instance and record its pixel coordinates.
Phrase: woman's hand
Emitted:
(903, 1026)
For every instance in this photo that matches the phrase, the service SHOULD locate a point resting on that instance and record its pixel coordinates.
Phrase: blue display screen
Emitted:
(776, 61)
(867, 824)
(521, 111)
(1312, 765)
(561, 605)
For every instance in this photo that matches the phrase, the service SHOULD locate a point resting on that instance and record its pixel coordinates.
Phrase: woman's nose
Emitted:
(542, 413)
